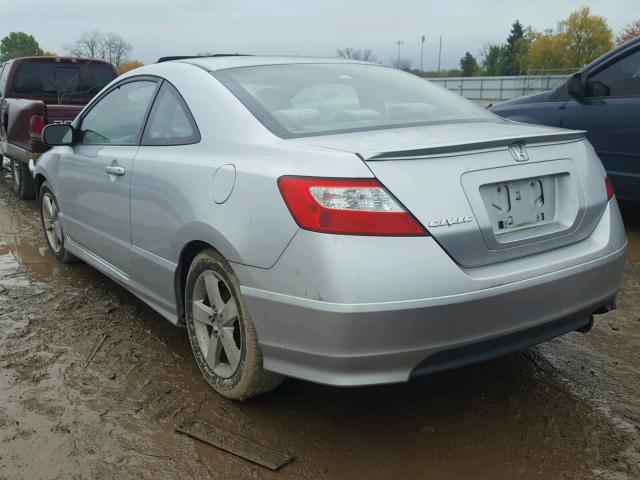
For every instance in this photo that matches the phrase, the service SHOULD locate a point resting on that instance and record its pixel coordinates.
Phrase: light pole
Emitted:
(422, 53)
(440, 55)
(400, 43)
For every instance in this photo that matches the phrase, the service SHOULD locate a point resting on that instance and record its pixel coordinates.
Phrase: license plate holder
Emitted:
(518, 204)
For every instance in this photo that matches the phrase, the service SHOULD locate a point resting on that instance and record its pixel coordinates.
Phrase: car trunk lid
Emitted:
(487, 192)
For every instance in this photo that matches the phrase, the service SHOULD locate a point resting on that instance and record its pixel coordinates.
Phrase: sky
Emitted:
(158, 28)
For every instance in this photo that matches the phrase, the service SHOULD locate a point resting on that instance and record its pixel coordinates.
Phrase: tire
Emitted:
(223, 340)
(23, 184)
(52, 225)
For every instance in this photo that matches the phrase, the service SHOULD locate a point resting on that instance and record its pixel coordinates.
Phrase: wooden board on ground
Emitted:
(235, 444)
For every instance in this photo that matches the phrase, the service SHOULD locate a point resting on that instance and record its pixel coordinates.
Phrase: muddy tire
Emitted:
(52, 225)
(222, 335)
(23, 184)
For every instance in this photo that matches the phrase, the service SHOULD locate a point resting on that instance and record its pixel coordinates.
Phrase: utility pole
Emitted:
(422, 53)
(440, 55)
(400, 43)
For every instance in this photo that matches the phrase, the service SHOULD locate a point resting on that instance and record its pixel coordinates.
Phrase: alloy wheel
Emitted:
(52, 226)
(17, 175)
(217, 326)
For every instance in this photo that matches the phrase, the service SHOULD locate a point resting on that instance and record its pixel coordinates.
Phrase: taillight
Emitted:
(610, 192)
(348, 206)
(36, 125)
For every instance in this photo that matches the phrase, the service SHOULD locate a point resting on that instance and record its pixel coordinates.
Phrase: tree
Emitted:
(402, 64)
(629, 32)
(366, 54)
(19, 44)
(587, 37)
(468, 65)
(129, 65)
(117, 49)
(510, 63)
(109, 47)
(435, 74)
(547, 51)
(504, 59)
(89, 45)
(493, 59)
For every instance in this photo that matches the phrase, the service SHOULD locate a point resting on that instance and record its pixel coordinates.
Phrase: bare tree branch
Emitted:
(89, 45)
(118, 48)
(109, 47)
(366, 54)
(401, 64)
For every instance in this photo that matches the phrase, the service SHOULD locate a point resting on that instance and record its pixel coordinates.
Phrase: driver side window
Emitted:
(622, 79)
(118, 118)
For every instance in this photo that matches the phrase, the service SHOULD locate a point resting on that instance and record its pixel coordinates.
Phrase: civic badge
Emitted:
(449, 222)
(519, 152)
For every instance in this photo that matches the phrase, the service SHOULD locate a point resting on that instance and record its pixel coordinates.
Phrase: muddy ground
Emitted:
(569, 409)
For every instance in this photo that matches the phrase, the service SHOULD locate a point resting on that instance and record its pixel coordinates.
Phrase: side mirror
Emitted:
(575, 86)
(58, 134)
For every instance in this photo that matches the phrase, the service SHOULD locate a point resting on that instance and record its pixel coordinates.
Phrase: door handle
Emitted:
(114, 170)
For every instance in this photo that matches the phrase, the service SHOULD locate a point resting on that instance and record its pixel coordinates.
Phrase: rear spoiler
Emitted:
(559, 136)
(188, 57)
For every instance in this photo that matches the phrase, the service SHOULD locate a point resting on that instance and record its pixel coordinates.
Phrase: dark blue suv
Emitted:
(603, 99)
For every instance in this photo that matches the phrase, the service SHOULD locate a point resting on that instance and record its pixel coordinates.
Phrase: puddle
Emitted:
(10, 271)
(18, 255)
(23, 247)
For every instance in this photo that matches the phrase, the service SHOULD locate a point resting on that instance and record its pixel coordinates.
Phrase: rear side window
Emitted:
(622, 79)
(61, 79)
(170, 121)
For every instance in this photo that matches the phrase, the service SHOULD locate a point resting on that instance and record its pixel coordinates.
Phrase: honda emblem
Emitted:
(519, 152)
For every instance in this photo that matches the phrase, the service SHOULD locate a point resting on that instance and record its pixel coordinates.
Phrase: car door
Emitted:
(95, 176)
(158, 206)
(610, 111)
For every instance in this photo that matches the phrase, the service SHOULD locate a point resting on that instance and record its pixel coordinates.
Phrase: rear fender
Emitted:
(18, 144)
(207, 234)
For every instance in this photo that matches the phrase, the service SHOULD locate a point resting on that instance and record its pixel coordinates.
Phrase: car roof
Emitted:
(222, 62)
(58, 59)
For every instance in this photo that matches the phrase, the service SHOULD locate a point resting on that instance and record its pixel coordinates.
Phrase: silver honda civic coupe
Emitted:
(335, 221)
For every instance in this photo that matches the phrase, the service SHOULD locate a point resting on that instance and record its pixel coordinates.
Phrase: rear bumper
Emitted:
(512, 342)
(20, 154)
(375, 343)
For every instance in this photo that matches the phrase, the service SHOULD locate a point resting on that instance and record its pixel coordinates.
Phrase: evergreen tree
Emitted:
(493, 61)
(510, 64)
(468, 65)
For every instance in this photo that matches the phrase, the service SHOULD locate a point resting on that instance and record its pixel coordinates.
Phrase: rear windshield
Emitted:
(314, 99)
(61, 79)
